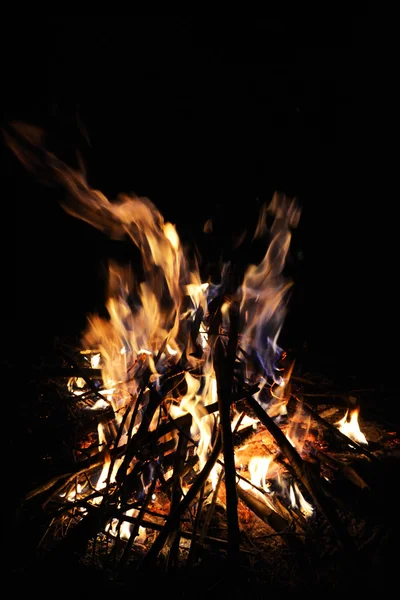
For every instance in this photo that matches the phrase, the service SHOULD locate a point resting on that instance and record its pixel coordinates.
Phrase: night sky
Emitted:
(206, 117)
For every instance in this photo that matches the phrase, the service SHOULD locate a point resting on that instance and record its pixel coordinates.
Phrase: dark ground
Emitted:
(208, 119)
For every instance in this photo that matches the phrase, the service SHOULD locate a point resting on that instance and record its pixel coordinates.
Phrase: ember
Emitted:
(190, 422)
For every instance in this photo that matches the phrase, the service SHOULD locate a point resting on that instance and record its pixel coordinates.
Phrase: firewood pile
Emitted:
(312, 509)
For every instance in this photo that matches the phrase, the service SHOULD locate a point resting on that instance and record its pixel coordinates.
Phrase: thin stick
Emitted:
(176, 493)
(174, 518)
(187, 535)
(192, 551)
(86, 465)
(211, 508)
(118, 437)
(224, 368)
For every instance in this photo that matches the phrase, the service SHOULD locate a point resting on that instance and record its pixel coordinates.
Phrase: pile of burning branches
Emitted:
(184, 405)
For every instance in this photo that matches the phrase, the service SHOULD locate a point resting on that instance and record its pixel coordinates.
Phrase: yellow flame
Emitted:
(75, 385)
(306, 508)
(297, 500)
(197, 292)
(214, 475)
(194, 404)
(126, 528)
(351, 428)
(258, 469)
(95, 360)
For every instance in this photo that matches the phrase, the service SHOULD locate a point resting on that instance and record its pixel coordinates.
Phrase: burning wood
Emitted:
(178, 390)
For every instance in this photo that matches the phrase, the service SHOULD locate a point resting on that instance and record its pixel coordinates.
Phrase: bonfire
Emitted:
(192, 430)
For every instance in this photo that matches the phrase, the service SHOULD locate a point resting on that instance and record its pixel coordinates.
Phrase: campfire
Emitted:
(192, 430)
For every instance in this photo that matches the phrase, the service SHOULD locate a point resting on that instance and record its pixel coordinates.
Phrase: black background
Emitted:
(207, 117)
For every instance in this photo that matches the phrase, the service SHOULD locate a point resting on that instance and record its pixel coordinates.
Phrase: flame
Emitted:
(297, 500)
(75, 493)
(351, 428)
(264, 289)
(258, 468)
(194, 403)
(214, 475)
(245, 421)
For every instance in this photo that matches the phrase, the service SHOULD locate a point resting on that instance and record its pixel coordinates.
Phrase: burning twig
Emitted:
(352, 444)
(303, 473)
(174, 518)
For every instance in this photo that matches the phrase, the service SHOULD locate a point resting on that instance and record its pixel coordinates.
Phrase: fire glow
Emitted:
(163, 351)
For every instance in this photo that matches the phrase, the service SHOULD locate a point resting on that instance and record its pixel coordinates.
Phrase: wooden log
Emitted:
(355, 446)
(262, 510)
(348, 471)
